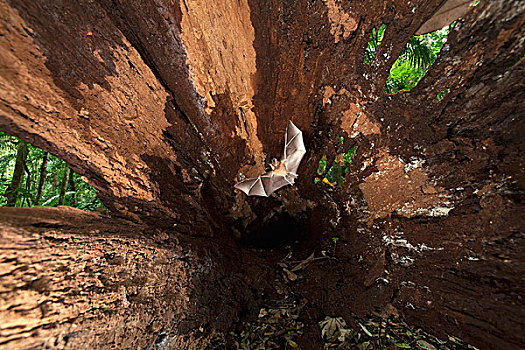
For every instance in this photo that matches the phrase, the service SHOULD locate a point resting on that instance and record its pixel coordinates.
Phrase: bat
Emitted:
(284, 171)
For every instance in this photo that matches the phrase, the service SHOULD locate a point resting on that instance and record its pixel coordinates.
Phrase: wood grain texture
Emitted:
(78, 280)
(434, 195)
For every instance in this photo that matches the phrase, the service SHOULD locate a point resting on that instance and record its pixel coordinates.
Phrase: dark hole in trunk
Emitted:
(278, 231)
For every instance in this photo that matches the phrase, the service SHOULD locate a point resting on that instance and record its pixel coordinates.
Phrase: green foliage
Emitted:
(337, 172)
(335, 176)
(78, 193)
(322, 166)
(418, 52)
(373, 43)
(335, 239)
(442, 94)
(347, 156)
(415, 59)
(413, 62)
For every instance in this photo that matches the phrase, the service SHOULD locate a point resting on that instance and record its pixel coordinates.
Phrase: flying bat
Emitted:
(284, 171)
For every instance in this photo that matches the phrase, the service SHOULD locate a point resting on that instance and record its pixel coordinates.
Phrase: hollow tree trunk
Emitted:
(11, 192)
(162, 105)
(79, 280)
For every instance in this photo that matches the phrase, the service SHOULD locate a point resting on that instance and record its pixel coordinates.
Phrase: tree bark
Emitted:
(71, 187)
(80, 280)
(163, 105)
(42, 179)
(27, 198)
(11, 192)
(63, 185)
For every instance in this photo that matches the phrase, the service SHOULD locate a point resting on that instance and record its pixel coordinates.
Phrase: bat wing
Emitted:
(280, 181)
(256, 186)
(266, 184)
(294, 149)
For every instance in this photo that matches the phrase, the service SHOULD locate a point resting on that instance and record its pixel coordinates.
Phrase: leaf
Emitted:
(330, 327)
(424, 345)
(292, 343)
(347, 157)
(344, 333)
(365, 330)
(364, 345)
(373, 43)
(322, 166)
(403, 345)
(262, 313)
(290, 275)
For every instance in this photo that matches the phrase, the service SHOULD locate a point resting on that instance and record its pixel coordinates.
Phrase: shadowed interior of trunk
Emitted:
(279, 231)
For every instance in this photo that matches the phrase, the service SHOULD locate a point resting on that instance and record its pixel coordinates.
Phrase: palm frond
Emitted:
(373, 43)
(418, 53)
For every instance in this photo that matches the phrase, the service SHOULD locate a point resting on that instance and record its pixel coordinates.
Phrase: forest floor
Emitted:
(287, 323)
(291, 321)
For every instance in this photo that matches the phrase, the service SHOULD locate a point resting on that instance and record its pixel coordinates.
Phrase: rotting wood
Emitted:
(107, 87)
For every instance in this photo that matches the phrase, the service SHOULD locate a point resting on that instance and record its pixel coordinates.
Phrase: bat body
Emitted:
(284, 172)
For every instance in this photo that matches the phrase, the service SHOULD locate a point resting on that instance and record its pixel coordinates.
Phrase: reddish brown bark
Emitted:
(78, 280)
(163, 104)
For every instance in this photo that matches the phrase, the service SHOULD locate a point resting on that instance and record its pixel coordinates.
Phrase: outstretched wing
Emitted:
(256, 186)
(266, 184)
(281, 181)
(294, 149)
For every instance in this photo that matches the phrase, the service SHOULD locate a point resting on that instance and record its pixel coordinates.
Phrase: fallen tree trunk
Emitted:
(80, 280)
(163, 105)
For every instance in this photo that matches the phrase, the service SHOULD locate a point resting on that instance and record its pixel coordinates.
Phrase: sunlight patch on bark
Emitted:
(400, 189)
(342, 24)
(218, 38)
(354, 121)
